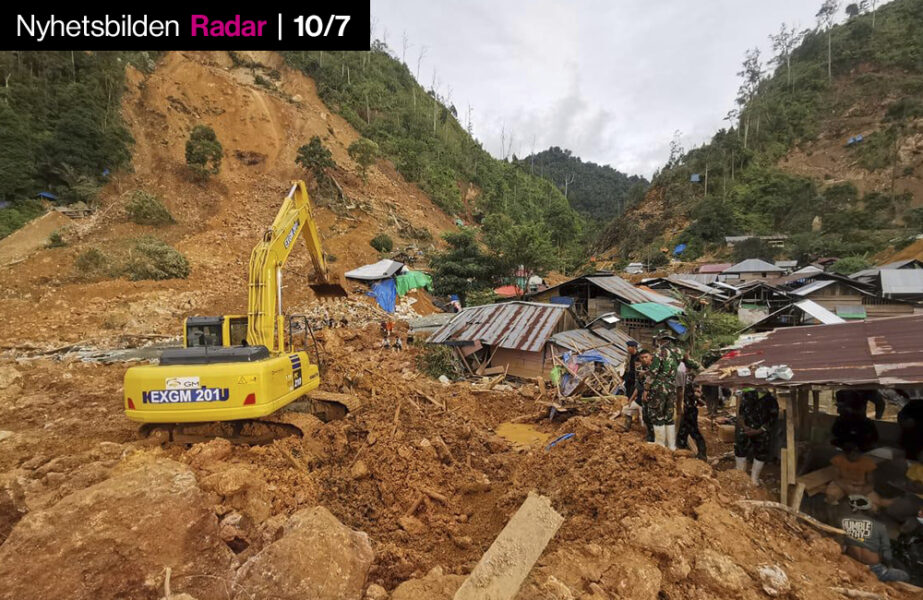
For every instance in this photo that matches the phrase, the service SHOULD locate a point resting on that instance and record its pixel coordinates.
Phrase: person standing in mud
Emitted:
(639, 362)
(756, 416)
(660, 390)
(689, 423)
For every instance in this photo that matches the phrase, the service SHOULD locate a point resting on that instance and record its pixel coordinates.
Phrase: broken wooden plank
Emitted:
(508, 561)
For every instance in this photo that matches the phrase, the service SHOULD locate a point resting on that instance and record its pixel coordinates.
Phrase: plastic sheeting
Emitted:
(412, 280)
(385, 293)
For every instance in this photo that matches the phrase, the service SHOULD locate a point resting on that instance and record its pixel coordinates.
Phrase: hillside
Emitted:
(48, 298)
(598, 192)
(421, 132)
(786, 165)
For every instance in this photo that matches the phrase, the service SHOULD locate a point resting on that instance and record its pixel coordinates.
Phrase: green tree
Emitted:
(754, 247)
(16, 165)
(316, 158)
(463, 267)
(526, 250)
(365, 152)
(850, 264)
(204, 152)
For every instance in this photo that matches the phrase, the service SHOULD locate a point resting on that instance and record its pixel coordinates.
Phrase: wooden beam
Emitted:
(797, 497)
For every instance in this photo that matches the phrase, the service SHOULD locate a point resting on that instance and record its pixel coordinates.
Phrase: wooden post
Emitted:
(789, 454)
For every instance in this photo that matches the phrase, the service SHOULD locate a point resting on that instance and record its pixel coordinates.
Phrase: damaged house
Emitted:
(520, 338)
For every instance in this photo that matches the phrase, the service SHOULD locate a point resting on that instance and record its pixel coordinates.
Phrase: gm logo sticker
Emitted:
(182, 383)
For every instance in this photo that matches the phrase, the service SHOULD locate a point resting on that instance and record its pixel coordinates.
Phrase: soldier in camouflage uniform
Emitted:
(756, 416)
(660, 387)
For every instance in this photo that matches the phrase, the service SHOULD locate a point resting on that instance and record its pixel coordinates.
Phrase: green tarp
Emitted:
(412, 280)
(652, 311)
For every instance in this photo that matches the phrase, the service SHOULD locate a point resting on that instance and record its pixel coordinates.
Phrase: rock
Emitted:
(8, 376)
(693, 467)
(113, 540)
(360, 470)
(243, 489)
(411, 525)
(632, 575)
(444, 380)
(721, 571)
(774, 580)
(317, 557)
(431, 587)
(556, 590)
(12, 504)
(203, 456)
(5, 435)
(375, 592)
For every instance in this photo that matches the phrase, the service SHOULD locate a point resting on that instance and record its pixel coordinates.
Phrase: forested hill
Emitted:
(597, 192)
(521, 216)
(825, 144)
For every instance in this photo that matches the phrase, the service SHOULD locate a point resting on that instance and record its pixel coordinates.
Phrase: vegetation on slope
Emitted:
(419, 131)
(60, 128)
(598, 192)
(747, 193)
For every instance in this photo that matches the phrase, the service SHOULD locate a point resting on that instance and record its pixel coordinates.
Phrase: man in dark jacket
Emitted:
(867, 540)
(756, 416)
(689, 425)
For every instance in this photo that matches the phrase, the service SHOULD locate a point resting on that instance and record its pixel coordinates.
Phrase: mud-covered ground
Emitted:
(419, 469)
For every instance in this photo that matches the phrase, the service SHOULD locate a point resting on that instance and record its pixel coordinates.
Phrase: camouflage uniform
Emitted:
(661, 385)
(756, 412)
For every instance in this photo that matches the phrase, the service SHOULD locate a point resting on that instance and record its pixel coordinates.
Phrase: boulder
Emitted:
(435, 586)
(721, 572)
(114, 539)
(774, 580)
(317, 557)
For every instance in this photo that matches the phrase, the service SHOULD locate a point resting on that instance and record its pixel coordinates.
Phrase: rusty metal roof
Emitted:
(512, 325)
(881, 352)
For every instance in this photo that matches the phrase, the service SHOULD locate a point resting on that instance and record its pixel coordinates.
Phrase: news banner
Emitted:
(314, 26)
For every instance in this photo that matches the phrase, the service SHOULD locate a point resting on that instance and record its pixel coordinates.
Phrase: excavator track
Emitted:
(300, 418)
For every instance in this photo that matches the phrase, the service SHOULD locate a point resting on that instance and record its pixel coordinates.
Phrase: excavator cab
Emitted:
(224, 331)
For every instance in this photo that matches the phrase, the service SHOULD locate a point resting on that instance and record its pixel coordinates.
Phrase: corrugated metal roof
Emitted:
(583, 340)
(650, 310)
(512, 325)
(383, 269)
(714, 268)
(881, 352)
(818, 312)
(753, 265)
(812, 287)
(786, 264)
(904, 282)
(613, 336)
(695, 285)
(619, 287)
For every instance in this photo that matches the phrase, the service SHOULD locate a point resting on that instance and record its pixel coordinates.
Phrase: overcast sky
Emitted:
(609, 79)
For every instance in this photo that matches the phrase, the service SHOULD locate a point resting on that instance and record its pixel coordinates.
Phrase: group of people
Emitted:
(661, 389)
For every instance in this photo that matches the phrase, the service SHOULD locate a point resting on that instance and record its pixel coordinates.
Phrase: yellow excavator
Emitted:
(234, 371)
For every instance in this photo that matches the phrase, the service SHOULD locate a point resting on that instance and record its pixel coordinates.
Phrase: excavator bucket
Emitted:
(332, 286)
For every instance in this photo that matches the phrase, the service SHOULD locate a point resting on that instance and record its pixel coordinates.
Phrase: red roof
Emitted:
(508, 291)
(713, 268)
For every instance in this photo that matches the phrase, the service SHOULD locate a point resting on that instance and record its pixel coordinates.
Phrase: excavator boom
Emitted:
(264, 306)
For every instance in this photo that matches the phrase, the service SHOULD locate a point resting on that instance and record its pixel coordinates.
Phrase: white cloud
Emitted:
(609, 80)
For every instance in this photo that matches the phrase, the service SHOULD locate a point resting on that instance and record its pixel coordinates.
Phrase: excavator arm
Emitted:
(265, 321)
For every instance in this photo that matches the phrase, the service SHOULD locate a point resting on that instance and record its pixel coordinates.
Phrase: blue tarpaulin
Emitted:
(47, 195)
(585, 357)
(695, 178)
(679, 249)
(564, 300)
(385, 293)
(676, 326)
